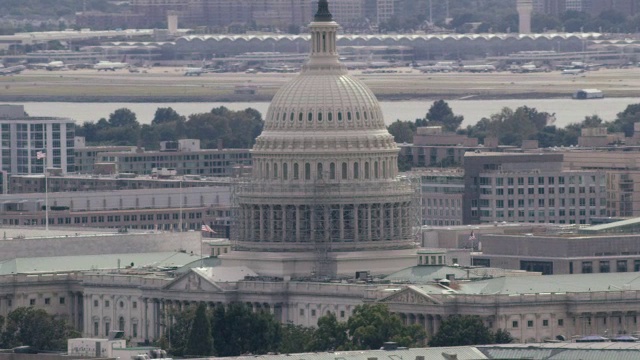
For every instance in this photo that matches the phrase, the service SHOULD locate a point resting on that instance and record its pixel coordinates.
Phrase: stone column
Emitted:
(382, 222)
(369, 222)
(272, 224)
(298, 223)
(261, 223)
(356, 228)
(341, 222)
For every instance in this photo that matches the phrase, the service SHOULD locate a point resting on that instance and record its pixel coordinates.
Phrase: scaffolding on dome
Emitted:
(326, 216)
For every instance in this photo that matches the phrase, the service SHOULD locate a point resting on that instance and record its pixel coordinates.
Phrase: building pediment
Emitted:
(192, 281)
(410, 295)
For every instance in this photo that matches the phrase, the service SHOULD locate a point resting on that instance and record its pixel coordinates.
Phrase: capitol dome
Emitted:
(325, 175)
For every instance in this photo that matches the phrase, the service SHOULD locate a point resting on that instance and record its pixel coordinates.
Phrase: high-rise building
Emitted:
(32, 144)
(325, 187)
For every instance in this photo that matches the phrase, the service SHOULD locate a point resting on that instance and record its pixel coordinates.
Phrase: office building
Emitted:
(24, 137)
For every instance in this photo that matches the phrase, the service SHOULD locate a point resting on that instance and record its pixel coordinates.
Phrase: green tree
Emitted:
(35, 328)
(166, 115)
(178, 327)
(200, 341)
(296, 339)
(373, 324)
(625, 120)
(330, 334)
(462, 330)
(402, 131)
(123, 118)
(511, 127)
(503, 337)
(238, 330)
(441, 114)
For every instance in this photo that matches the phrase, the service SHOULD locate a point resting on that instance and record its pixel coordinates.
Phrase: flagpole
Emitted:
(46, 195)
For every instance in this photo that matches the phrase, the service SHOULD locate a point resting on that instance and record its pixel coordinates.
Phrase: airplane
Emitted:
(194, 71)
(51, 66)
(435, 68)
(479, 68)
(572, 71)
(11, 70)
(111, 65)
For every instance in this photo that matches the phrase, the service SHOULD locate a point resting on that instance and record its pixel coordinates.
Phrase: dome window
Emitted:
(330, 116)
(357, 115)
(319, 170)
(310, 116)
(376, 173)
(284, 116)
(319, 116)
(296, 172)
(300, 117)
(349, 115)
(291, 118)
(275, 171)
(356, 170)
(344, 171)
(365, 115)
(339, 115)
(285, 168)
(332, 171)
(307, 171)
(366, 169)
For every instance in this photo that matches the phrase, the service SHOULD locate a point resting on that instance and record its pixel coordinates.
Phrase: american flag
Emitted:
(472, 237)
(207, 228)
(41, 155)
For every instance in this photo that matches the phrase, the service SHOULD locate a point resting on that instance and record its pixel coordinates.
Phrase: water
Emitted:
(566, 111)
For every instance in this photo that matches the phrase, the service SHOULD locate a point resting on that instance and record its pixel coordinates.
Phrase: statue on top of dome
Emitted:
(323, 13)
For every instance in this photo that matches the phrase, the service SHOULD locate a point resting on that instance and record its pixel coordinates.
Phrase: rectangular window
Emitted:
(514, 324)
(106, 304)
(604, 266)
(134, 305)
(545, 323)
(313, 312)
(587, 267)
(62, 300)
(47, 301)
(107, 328)
(621, 266)
(560, 322)
(530, 323)
(301, 312)
(134, 330)
(96, 326)
(32, 302)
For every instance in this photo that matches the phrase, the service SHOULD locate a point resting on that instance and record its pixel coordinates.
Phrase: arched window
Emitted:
(285, 171)
(356, 170)
(344, 171)
(300, 117)
(330, 116)
(384, 169)
(266, 175)
(365, 115)
(366, 170)
(357, 115)
(349, 115)
(339, 115)
(307, 171)
(310, 116)
(296, 172)
(319, 116)
(121, 324)
(275, 171)
(284, 116)
(291, 117)
(376, 172)
(332, 171)
(319, 170)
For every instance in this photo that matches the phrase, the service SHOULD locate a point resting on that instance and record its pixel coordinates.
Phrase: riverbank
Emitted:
(169, 85)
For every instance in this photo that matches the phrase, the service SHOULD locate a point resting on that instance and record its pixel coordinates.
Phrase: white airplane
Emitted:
(479, 68)
(51, 66)
(11, 70)
(194, 71)
(111, 65)
(572, 71)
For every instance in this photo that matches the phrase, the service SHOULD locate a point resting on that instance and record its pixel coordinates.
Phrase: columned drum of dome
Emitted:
(325, 174)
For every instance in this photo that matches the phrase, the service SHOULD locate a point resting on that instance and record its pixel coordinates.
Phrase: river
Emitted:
(566, 111)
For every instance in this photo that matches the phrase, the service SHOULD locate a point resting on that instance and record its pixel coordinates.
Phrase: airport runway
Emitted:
(170, 84)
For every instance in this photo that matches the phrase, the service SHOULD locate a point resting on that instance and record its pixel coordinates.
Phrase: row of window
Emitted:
(542, 190)
(604, 266)
(541, 180)
(487, 203)
(272, 171)
(46, 301)
(545, 323)
(320, 116)
(107, 303)
(539, 213)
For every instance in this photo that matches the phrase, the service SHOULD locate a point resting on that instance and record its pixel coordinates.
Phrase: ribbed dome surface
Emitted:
(324, 101)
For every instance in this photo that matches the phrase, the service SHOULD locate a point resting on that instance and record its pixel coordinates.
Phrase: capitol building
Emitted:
(325, 198)
(324, 205)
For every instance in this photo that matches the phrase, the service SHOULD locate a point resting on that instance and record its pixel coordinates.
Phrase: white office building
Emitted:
(23, 137)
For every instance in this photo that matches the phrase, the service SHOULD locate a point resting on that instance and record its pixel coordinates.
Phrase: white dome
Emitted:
(324, 101)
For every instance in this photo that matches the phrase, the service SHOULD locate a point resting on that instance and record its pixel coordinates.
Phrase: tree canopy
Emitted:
(200, 341)
(441, 114)
(236, 129)
(462, 330)
(27, 326)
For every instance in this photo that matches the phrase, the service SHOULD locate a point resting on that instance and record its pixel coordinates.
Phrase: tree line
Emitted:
(512, 127)
(235, 329)
(27, 326)
(236, 129)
